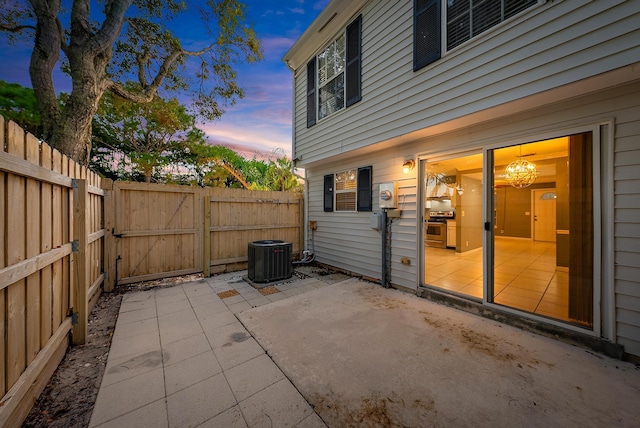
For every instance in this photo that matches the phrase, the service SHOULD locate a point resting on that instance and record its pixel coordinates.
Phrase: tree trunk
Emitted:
(89, 54)
(45, 55)
(72, 136)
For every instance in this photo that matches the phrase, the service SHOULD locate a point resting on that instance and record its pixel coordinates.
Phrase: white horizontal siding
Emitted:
(627, 226)
(544, 48)
(346, 241)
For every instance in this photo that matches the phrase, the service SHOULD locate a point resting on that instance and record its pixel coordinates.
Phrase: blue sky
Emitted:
(260, 122)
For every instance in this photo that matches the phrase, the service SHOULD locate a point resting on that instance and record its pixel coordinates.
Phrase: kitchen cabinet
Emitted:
(451, 233)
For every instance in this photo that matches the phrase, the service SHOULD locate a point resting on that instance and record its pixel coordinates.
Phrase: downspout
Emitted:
(308, 256)
(383, 275)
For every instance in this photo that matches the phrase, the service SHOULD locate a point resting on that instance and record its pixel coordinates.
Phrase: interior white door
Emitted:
(544, 215)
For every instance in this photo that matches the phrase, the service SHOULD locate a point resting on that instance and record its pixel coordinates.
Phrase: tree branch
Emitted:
(198, 53)
(164, 68)
(63, 44)
(233, 172)
(112, 25)
(16, 28)
(135, 97)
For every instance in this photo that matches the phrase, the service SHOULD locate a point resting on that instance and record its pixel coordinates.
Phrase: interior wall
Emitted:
(513, 210)
(562, 213)
(469, 215)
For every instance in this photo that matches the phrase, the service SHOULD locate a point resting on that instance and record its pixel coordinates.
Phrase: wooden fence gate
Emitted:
(157, 231)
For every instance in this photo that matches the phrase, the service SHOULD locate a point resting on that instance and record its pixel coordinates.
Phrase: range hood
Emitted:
(441, 190)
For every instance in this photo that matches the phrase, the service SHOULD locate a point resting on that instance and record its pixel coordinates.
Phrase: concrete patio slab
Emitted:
(180, 358)
(347, 354)
(362, 355)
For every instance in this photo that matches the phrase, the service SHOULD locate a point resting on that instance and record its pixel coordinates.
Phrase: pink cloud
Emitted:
(262, 138)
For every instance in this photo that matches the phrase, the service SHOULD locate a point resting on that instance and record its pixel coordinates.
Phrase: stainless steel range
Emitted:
(435, 231)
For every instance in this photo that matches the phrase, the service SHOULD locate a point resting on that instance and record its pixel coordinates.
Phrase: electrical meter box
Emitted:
(388, 195)
(375, 221)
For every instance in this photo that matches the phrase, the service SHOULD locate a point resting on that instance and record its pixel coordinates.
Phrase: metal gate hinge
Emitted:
(74, 318)
(74, 246)
(74, 183)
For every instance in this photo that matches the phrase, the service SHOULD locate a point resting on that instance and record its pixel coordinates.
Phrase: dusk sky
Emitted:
(260, 122)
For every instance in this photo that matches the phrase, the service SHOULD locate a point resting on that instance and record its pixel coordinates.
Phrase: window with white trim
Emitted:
(334, 75)
(346, 186)
(348, 190)
(463, 20)
(331, 78)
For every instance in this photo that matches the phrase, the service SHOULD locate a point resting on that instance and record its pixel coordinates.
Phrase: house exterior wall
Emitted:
(514, 84)
(345, 240)
(545, 47)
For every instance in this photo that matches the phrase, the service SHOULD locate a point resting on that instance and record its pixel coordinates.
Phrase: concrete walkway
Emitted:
(344, 354)
(180, 358)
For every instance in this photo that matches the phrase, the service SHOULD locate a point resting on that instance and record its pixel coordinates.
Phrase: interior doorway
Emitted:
(543, 202)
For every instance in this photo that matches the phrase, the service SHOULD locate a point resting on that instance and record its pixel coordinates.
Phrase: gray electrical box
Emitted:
(375, 221)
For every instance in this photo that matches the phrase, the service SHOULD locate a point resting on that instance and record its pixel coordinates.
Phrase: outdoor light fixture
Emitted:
(408, 165)
(521, 173)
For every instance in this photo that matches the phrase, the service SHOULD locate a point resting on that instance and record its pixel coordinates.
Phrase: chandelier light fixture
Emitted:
(521, 173)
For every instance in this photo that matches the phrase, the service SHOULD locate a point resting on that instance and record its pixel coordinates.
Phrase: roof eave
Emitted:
(334, 16)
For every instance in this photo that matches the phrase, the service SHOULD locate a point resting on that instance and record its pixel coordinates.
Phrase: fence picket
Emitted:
(46, 236)
(3, 238)
(16, 293)
(33, 213)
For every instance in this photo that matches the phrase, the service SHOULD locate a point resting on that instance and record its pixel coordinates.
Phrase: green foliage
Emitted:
(18, 103)
(133, 49)
(279, 176)
(132, 138)
(219, 166)
(148, 48)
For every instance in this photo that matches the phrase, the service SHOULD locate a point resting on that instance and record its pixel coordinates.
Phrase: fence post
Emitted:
(206, 234)
(80, 244)
(109, 250)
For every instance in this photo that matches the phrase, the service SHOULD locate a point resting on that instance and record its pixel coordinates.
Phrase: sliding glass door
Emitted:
(453, 201)
(542, 234)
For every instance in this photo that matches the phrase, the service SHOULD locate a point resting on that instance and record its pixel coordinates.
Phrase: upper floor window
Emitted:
(464, 19)
(333, 76)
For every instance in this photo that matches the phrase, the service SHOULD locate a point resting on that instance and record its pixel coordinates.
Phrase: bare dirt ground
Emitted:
(68, 398)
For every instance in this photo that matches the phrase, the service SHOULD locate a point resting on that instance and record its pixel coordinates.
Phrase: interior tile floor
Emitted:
(525, 275)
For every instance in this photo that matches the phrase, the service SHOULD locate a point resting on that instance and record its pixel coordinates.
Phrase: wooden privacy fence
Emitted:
(157, 231)
(50, 263)
(65, 233)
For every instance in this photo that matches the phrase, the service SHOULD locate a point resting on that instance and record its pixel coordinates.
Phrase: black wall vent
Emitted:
(270, 260)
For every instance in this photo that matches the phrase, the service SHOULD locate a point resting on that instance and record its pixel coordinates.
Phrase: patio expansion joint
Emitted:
(164, 376)
(279, 368)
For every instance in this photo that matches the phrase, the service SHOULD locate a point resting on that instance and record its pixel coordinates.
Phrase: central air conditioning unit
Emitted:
(270, 260)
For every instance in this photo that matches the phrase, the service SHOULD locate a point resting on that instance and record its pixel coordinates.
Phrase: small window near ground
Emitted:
(348, 191)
